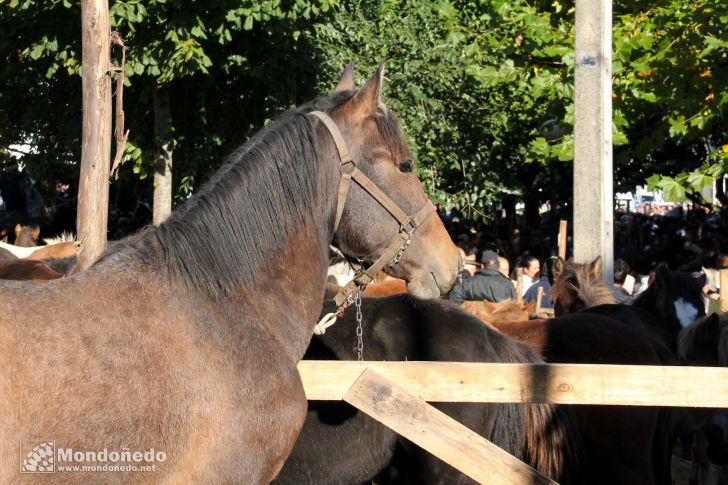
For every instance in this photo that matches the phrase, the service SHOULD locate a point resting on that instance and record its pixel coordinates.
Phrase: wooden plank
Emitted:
(724, 290)
(437, 433)
(593, 208)
(563, 232)
(634, 385)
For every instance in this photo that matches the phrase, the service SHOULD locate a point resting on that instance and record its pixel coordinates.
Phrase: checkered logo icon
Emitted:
(39, 458)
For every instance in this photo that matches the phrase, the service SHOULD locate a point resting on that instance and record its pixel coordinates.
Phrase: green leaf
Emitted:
(37, 51)
(699, 180)
(677, 126)
(540, 147)
(672, 190)
(248, 23)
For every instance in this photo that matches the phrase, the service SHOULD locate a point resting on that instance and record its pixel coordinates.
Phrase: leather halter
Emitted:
(407, 224)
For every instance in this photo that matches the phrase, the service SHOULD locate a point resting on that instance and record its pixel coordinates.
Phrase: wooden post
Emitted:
(438, 433)
(519, 283)
(593, 198)
(563, 228)
(93, 185)
(162, 205)
(723, 290)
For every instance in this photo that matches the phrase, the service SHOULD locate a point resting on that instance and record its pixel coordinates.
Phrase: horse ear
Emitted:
(346, 83)
(368, 97)
(596, 267)
(18, 228)
(558, 268)
(36, 233)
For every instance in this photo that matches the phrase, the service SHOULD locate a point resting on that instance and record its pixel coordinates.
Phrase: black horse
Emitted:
(670, 303)
(339, 444)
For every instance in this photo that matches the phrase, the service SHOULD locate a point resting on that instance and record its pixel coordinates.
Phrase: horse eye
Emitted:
(405, 166)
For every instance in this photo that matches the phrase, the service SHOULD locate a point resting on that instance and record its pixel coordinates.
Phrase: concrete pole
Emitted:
(593, 199)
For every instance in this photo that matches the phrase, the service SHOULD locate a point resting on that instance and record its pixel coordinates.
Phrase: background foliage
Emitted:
(484, 88)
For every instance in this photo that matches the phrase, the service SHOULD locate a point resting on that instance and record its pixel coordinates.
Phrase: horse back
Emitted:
(119, 360)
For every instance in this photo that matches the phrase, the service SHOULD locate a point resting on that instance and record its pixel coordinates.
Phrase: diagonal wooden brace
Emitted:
(434, 431)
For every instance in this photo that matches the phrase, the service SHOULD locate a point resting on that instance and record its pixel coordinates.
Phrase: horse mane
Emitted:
(62, 237)
(710, 331)
(584, 283)
(223, 235)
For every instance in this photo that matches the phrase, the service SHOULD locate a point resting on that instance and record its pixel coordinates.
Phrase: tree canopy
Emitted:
(484, 88)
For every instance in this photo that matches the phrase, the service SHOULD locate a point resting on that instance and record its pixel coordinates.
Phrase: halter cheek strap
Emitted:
(408, 224)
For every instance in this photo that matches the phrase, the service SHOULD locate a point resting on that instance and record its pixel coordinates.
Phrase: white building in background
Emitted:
(633, 202)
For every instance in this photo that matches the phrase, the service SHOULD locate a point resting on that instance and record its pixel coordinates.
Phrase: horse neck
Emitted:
(256, 238)
(287, 293)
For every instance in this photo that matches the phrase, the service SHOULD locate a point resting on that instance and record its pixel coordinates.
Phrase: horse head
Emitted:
(675, 296)
(26, 236)
(578, 286)
(382, 215)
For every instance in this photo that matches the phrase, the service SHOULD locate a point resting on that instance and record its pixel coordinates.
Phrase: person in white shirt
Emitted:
(531, 269)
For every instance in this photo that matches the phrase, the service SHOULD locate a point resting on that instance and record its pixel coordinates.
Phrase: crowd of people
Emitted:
(503, 261)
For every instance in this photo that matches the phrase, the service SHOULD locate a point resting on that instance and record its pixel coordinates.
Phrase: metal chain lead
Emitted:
(359, 330)
(400, 252)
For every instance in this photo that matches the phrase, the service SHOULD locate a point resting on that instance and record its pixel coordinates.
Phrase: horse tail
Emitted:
(543, 435)
(553, 443)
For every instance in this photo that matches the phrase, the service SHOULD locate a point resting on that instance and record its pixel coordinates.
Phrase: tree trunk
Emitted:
(162, 206)
(93, 186)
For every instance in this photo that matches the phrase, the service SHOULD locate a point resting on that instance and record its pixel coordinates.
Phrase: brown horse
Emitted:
(26, 236)
(502, 311)
(181, 342)
(578, 286)
(21, 269)
(385, 287)
(59, 250)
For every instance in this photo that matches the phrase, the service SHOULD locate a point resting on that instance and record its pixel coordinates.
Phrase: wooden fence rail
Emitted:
(555, 383)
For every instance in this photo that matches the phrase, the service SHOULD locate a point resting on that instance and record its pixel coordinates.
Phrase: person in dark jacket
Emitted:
(486, 284)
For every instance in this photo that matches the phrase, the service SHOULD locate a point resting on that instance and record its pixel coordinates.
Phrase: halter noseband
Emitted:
(407, 224)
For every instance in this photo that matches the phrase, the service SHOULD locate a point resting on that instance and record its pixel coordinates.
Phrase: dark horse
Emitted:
(670, 303)
(627, 444)
(665, 309)
(340, 445)
(190, 348)
(705, 343)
